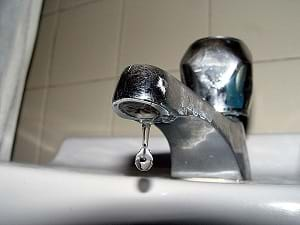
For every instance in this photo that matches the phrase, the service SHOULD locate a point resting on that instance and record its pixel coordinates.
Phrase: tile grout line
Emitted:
(173, 70)
(118, 58)
(52, 12)
(209, 17)
(74, 83)
(120, 42)
(276, 60)
(168, 70)
(61, 10)
(44, 106)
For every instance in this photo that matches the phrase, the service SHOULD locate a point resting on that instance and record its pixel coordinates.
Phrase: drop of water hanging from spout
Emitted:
(144, 158)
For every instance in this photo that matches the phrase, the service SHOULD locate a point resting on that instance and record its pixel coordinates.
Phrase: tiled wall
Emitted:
(83, 45)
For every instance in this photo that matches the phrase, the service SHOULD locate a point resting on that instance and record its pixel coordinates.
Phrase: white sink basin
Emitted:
(91, 181)
(273, 158)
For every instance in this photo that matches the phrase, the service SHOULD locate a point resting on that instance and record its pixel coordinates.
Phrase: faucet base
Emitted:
(199, 150)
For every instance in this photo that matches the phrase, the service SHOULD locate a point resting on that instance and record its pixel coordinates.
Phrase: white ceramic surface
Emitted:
(95, 186)
(273, 158)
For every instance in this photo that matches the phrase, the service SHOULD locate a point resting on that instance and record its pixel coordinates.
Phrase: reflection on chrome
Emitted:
(202, 119)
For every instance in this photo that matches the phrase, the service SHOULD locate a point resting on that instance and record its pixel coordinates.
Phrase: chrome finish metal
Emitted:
(203, 142)
(219, 70)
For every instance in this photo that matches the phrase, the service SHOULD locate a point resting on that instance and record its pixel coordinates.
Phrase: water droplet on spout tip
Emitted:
(144, 158)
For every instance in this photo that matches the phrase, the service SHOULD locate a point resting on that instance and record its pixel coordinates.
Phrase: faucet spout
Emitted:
(203, 142)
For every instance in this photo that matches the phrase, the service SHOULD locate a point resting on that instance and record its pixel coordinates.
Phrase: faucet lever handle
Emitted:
(219, 70)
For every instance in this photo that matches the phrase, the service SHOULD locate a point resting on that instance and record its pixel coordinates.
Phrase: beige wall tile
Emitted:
(46, 156)
(175, 73)
(50, 6)
(77, 110)
(158, 32)
(39, 70)
(269, 28)
(276, 103)
(87, 42)
(30, 127)
(65, 4)
(154, 32)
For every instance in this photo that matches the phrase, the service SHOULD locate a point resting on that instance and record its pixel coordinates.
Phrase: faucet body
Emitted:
(204, 142)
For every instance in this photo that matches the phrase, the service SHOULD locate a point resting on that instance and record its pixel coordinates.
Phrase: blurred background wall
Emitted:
(83, 46)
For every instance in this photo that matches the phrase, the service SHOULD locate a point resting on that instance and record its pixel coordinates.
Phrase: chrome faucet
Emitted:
(202, 118)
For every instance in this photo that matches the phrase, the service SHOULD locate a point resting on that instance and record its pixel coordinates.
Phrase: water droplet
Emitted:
(144, 158)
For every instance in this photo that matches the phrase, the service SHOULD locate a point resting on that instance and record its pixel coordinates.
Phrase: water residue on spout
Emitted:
(144, 158)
